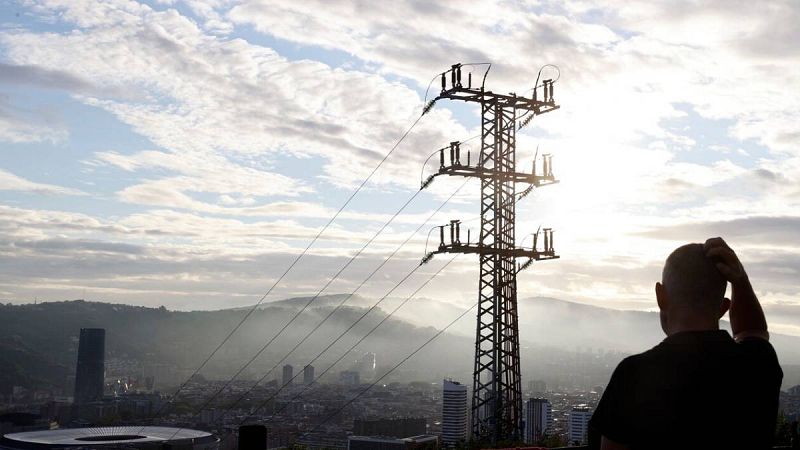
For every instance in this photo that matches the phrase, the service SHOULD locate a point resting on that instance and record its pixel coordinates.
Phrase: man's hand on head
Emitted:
(747, 317)
(726, 260)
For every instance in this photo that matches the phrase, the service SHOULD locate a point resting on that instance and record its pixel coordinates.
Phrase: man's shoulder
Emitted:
(692, 342)
(646, 356)
(655, 356)
(631, 363)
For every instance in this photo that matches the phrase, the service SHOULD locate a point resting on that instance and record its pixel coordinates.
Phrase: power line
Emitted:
(350, 261)
(403, 280)
(307, 304)
(417, 350)
(385, 318)
(333, 311)
(313, 241)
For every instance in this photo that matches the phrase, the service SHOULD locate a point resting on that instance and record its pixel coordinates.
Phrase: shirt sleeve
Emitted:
(609, 418)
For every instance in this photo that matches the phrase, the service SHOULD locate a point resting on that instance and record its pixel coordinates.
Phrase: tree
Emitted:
(783, 430)
(551, 441)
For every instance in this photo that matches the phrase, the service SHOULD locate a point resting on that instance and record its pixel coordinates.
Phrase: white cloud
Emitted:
(198, 173)
(212, 104)
(11, 182)
(207, 95)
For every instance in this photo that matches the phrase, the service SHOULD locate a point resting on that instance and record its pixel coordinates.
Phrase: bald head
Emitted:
(691, 280)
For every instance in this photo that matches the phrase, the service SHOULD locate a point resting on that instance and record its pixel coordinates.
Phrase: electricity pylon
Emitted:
(496, 389)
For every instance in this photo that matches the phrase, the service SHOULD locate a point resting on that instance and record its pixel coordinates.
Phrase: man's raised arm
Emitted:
(747, 317)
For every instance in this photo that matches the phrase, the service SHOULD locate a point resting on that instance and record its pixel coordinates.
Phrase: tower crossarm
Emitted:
(453, 88)
(501, 100)
(456, 166)
(455, 245)
(518, 252)
(480, 172)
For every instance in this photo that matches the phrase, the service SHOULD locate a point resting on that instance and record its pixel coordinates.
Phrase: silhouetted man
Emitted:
(699, 388)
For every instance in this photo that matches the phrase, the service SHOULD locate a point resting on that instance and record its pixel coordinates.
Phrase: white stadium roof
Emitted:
(104, 436)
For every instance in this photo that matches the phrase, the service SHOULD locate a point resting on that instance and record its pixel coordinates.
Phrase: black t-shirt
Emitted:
(696, 389)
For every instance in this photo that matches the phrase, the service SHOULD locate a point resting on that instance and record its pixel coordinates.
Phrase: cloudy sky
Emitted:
(182, 153)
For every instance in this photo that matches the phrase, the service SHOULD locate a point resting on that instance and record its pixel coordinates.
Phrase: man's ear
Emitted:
(724, 307)
(661, 296)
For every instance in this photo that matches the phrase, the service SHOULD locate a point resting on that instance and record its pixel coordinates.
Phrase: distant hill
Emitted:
(38, 343)
(331, 300)
(35, 337)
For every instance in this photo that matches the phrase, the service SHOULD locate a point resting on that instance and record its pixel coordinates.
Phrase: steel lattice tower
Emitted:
(497, 391)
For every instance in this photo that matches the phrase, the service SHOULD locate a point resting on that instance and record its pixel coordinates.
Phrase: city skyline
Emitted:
(131, 393)
(181, 153)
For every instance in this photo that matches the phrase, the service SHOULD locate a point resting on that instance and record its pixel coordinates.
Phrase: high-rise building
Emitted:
(579, 424)
(454, 413)
(288, 374)
(538, 419)
(308, 374)
(90, 372)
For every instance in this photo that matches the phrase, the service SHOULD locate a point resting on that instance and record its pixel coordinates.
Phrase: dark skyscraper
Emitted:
(91, 365)
(288, 372)
(308, 374)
